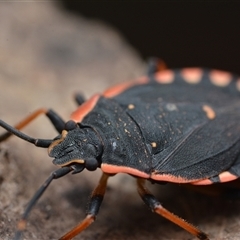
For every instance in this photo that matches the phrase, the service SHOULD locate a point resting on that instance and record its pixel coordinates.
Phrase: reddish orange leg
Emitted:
(53, 117)
(93, 208)
(156, 207)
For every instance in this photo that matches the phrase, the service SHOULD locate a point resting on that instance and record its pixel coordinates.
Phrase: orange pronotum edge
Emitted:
(116, 90)
(85, 108)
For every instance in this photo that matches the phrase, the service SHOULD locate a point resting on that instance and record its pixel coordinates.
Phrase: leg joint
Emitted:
(94, 205)
(151, 201)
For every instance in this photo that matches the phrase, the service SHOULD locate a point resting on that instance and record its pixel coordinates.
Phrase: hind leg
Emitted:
(156, 207)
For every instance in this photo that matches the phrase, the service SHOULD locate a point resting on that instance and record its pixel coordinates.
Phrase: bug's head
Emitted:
(77, 147)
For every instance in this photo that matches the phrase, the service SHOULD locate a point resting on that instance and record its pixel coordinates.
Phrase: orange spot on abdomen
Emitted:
(165, 77)
(220, 78)
(224, 177)
(169, 178)
(108, 168)
(192, 75)
(238, 84)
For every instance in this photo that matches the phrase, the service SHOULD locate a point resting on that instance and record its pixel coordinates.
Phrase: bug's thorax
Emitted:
(78, 147)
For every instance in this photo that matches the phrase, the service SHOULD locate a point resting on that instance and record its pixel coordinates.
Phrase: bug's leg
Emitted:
(155, 65)
(156, 207)
(93, 208)
(23, 221)
(56, 120)
(79, 98)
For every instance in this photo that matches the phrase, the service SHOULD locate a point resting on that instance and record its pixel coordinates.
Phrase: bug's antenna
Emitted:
(44, 143)
(54, 175)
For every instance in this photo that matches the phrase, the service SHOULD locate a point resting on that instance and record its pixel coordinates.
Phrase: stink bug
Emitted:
(179, 126)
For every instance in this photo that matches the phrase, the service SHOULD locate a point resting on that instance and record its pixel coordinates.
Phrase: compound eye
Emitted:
(91, 164)
(70, 125)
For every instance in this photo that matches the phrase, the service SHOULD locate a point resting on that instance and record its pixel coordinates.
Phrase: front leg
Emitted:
(93, 208)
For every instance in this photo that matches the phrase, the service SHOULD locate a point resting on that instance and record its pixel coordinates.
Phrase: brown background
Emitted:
(46, 54)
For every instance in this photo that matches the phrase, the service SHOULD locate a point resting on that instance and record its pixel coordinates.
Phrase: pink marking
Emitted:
(115, 90)
(165, 76)
(169, 178)
(85, 108)
(224, 177)
(192, 75)
(238, 84)
(202, 182)
(112, 169)
(227, 177)
(220, 78)
(108, 168)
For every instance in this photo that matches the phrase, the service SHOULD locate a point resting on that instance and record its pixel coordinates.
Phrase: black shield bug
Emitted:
(177, 126)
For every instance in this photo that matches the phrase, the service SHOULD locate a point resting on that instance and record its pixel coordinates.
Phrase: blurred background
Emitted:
(183, 33)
